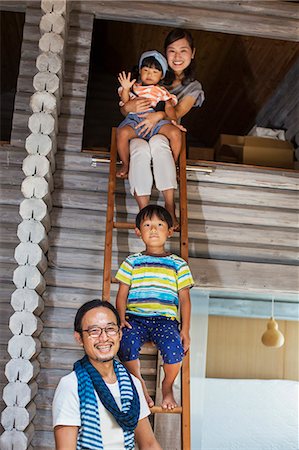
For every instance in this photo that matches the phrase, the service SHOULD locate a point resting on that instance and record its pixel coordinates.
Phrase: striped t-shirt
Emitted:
(153, 92)
(154, 283)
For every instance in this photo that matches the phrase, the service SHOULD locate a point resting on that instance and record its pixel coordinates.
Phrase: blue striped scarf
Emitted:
(89, 380)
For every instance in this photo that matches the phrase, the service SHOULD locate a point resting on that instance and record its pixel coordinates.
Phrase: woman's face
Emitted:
(179, 55)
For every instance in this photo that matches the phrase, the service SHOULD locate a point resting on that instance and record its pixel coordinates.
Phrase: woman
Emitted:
(180, 81)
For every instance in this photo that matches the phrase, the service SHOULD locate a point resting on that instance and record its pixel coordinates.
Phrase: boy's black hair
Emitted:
(150, 210)
(150, 62)
(96, 303)
(189, 73)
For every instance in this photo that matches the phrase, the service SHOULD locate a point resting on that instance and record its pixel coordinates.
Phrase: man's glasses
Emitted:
(96, 332)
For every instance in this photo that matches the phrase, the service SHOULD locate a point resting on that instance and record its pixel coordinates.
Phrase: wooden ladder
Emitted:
(184, 409)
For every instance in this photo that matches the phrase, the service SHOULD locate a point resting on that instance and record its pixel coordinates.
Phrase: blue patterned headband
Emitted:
(158, 56)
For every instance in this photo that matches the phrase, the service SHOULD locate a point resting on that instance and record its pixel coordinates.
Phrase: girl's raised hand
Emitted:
(125, 80)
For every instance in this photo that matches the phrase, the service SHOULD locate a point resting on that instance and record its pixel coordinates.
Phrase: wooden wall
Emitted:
(235, 350)
(242, 230)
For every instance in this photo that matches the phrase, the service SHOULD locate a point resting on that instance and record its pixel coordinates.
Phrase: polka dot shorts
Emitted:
(163, 331)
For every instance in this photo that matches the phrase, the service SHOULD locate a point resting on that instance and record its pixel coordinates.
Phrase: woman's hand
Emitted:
(136, 105)
(150, 120)
(178, 125)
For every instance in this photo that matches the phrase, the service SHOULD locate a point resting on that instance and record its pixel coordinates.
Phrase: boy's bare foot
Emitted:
(148, 398)
(123, 171)
(168, 401)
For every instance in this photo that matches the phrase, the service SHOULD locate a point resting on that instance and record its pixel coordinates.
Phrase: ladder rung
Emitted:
(124, 225)
(160, 410)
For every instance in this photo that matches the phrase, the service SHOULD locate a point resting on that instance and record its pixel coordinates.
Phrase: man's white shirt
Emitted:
(66, 410)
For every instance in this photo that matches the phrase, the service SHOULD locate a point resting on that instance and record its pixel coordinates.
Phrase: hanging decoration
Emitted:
(272, 337)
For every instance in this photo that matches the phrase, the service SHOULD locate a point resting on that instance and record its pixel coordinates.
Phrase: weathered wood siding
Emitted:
(242, 225)
(242, 234)
(76, 71)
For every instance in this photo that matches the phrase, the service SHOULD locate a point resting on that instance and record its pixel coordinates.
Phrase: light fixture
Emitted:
(272, 336)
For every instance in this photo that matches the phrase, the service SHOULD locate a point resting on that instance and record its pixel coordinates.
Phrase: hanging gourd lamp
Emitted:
(272, 336)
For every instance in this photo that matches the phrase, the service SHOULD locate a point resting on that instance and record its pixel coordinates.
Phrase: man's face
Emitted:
(99, 345)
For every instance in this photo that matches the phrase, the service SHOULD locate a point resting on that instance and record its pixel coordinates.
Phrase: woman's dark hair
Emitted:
(189, 72)
(150, 210)
(150, 62)
(91, 305)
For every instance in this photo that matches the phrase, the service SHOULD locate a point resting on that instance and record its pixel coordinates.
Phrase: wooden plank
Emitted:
(79, 162)
(259, 215)
(71, 125)
(9, 234)
(209, 192)
(68, 253)
(12, 176)
(7, 252)
(71, 297)
(43, 440)
(252, 308)
(77, 218)
(203, 233)
(200, 16)
(9, 214)
(69, 142)
(72, 106)
(7, 288)
(255, 177)
(244, 276)
(109, 219)
(71, 88)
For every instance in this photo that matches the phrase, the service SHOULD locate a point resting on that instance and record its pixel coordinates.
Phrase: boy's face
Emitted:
(150, 75)
(154, 232)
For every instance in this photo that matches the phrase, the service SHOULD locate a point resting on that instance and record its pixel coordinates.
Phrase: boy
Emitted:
(152, 68)
(153, 284)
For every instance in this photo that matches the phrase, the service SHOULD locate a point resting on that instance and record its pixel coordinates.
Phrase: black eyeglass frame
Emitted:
(114, 333)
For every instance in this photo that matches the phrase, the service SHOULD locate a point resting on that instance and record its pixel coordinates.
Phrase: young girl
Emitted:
(180, 52)
(152, 68)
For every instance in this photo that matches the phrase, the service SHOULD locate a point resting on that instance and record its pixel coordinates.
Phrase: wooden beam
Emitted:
(274, 20)
(244, 276)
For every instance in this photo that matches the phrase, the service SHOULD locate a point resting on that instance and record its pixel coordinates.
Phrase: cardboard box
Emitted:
(201, 153)
(253, 150)
(229, 148)
(262, 151)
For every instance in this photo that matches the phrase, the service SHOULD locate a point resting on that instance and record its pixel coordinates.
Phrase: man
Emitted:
(100, 405)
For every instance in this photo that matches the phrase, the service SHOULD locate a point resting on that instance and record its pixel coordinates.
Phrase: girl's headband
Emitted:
(158, 56)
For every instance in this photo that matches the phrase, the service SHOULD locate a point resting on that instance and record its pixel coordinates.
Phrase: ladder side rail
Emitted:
(109, 219)
(185, 371)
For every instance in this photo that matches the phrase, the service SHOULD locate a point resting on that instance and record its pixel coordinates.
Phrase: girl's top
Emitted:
(193, 89)
(154, 92)
(154, 283)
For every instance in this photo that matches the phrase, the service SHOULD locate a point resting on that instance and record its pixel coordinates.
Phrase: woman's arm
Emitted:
(145, 437)
(170, 111)
(184, 106)
(65, 437)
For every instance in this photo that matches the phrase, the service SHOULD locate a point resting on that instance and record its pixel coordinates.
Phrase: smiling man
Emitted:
(100, 405)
